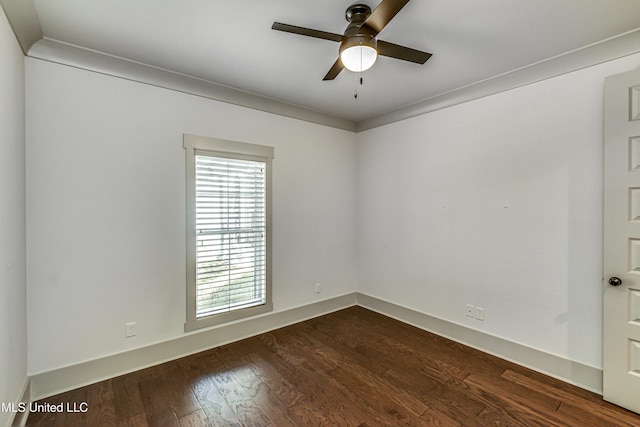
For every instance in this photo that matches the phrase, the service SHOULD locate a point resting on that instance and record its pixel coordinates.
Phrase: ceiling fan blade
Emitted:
(402, 52)
(382, 14)
(335, 70)
(306, 32)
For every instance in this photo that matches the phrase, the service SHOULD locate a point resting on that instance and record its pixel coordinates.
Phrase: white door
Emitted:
(621, 340)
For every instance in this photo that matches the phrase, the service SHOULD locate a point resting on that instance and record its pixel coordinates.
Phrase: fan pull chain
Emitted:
(360, 63)
(355, 90)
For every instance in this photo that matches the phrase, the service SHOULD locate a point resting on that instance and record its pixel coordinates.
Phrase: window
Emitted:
(228, 230)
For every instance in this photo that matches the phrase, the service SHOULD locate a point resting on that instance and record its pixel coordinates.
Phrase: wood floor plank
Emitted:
(240, 399)
(387, 406)
(153, 394)
(271, 374)
(433, 346)
(603, 410)
(538, 402)
(573, 415)
(435, 418)
(310, 414)
(102, 413)
(99, 392)
(137, 421)
(275, 410)
(512, 407)
(328, 399)
(353, 367)
(126, 396)
(179, 393)
(283, 349)
(194, 419)
(213, 403)
(333, 399)
(453, 402)
(336, 357)
(496, 416)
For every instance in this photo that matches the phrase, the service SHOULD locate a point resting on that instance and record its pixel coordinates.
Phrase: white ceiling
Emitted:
(230, 42)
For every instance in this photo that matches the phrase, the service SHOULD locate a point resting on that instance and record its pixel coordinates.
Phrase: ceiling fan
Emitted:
(359, 48)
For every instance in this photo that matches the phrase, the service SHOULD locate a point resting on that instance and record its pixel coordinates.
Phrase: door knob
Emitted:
(615, 281)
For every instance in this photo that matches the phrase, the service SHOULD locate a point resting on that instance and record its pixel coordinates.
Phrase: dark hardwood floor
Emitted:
(349, 368)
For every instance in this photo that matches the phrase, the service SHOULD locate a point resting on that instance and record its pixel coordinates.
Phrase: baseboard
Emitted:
(576, 373)
(60, 380)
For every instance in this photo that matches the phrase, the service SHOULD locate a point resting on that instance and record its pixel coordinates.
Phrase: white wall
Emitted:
(106, 202)
(496, 203)
(13, 324)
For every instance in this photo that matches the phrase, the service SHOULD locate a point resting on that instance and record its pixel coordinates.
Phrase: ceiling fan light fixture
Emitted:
(358, 46)
(358, 53)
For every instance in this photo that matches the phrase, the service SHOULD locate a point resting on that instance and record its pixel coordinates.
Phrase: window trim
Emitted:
(236, 150)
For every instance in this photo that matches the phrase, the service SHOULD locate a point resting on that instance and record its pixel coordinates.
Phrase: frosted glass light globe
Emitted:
(358, 58)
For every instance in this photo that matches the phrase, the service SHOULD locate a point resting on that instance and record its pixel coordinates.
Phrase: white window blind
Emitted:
(230, 234)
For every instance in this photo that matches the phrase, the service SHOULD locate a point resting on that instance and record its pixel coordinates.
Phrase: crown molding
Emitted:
(65, 54)
(23, 19)
(597, 53)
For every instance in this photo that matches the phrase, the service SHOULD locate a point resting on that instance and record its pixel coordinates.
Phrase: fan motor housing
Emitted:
(357, 13)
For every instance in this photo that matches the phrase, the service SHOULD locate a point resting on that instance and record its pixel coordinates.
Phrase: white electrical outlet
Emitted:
(479, 313)
(318, 288)
(470, 310)
(130, 329)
